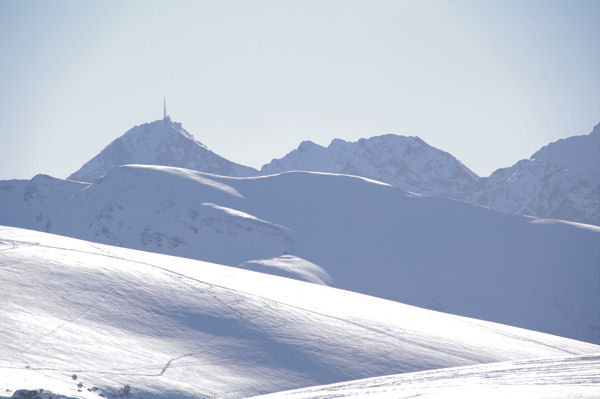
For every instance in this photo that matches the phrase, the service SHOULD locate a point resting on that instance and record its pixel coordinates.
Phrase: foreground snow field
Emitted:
(174, 327)
(345, 231)
(559, 378)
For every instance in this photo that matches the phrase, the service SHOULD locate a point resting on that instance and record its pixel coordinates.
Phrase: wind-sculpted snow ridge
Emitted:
(560, 181)
(290, 266)
(555, 378)
(84, 320)
(405, 162)
(161, 142)
(348, 232)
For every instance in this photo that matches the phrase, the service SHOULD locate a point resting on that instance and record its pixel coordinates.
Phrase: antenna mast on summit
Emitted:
(164, 108)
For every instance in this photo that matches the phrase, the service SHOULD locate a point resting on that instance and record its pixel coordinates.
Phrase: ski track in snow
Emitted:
(225, 304)
(237, 304)
(560, 378)
(233, 310)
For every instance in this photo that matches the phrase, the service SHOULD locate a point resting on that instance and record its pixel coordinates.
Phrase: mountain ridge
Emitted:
(561, 180)
(407, 162)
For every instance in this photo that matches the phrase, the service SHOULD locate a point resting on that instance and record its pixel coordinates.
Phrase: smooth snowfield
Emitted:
(349, 232)
(558, 378)
(177, 327)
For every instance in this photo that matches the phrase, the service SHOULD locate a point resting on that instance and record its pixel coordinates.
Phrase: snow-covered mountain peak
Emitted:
(403, 161)
(390, 141)
(337, 143)
(149, 134)
(162, 142)
(561, 180)
(308, 145)
(576, 153)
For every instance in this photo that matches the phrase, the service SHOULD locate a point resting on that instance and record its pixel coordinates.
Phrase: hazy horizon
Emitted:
(489, 83)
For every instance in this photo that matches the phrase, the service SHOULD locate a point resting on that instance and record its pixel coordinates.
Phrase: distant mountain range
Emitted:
(560, 181)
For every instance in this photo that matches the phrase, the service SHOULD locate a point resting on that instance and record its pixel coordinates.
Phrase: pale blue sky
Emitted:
(489, 82)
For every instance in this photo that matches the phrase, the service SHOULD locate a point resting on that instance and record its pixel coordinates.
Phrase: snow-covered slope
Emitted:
(32, 203)
(555, 378)
(161, 142)
(173, 327)
(561, 180)
(405, 162)
(352, 233)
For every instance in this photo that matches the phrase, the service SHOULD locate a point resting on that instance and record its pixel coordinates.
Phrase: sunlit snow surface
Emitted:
(560, 378)
(174, 327)
(345, 231)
